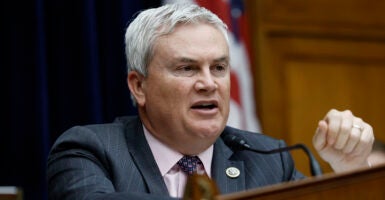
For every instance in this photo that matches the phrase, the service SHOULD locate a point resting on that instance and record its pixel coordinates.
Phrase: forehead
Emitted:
(192, 38)
(195, 27)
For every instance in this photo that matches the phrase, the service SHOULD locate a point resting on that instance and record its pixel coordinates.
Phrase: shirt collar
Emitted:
(166, 158)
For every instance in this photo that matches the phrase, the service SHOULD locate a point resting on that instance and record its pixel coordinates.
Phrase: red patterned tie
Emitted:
(189, 164)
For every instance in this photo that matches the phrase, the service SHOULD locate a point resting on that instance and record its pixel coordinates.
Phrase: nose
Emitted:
(205, 81)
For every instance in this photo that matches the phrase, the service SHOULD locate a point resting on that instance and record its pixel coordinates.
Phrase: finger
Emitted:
(344, 130)
(365, 143)
(354, 139)
(319, 138)
(333, 119)
(354, 136)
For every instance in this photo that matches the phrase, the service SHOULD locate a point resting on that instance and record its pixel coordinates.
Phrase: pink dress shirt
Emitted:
(167, 159)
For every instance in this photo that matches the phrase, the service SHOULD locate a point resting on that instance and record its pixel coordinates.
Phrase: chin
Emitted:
(209, 131)
(207, 127)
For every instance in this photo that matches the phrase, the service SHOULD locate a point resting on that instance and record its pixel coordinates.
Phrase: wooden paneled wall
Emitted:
(311, 56)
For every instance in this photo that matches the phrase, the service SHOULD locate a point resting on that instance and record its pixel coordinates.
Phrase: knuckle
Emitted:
(359, 120)
(348, 112)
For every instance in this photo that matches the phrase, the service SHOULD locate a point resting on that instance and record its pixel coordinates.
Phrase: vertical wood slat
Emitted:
(310, 56)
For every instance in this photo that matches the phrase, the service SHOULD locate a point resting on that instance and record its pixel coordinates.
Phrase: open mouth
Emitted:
(206, 106)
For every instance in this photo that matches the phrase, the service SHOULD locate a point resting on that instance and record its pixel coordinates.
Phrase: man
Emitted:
(179, 77)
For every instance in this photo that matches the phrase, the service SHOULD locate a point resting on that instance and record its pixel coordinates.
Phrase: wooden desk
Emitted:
(358, 185)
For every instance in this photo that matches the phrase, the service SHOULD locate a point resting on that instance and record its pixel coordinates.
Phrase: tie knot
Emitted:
(189, 164)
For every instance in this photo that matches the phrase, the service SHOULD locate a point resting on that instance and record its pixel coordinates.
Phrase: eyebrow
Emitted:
(189, 60)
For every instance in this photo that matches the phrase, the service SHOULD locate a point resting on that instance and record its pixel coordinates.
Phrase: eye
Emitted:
(185, 70)
(219, 70)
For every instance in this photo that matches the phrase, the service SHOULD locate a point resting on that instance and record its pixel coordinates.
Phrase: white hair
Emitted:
(150, 24)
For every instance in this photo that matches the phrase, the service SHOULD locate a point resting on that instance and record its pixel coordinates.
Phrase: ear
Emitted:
(135, 82)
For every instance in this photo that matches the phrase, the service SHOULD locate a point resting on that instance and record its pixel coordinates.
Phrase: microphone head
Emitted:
(235, 142)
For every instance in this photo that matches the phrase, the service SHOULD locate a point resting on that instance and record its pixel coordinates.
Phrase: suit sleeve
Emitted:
(78, 168)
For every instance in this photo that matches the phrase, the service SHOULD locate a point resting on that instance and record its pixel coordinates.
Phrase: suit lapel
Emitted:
(143, 158)
(221, 162)
(145, 163)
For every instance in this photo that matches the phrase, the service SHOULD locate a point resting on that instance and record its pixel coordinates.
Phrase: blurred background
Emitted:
(62, 64)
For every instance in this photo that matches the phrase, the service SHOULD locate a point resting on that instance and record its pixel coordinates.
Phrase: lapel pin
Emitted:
(232, 172)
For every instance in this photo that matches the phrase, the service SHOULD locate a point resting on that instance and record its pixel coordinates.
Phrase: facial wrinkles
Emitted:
(169, 98)
(211, 54)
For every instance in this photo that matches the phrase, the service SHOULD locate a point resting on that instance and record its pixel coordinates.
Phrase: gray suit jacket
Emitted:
(114, 161)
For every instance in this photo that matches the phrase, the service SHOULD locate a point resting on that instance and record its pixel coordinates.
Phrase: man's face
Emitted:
(187, 91)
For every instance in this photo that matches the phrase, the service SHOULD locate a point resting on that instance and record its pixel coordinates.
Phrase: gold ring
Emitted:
(357, 126)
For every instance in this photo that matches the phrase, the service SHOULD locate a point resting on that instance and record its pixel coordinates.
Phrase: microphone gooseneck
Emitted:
(238, 143)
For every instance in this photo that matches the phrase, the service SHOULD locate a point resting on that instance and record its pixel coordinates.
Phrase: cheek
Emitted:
(178, 93)
(224, 88)
(169, 90)
(225, 95)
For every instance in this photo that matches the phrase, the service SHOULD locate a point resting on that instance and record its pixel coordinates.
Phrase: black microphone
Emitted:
(238, 143)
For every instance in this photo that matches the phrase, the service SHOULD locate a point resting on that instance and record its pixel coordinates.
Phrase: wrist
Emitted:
(346, 167)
